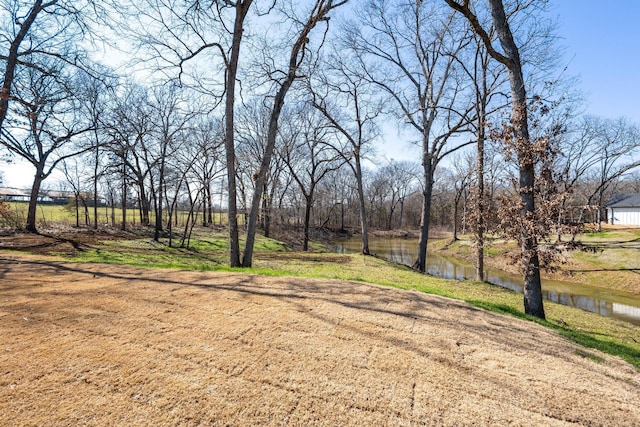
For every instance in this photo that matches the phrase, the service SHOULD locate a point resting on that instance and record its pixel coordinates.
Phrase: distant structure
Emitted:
(8, 194)
(624, 209)
(13, 195)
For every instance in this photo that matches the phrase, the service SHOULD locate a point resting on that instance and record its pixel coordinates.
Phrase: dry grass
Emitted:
(90, 344)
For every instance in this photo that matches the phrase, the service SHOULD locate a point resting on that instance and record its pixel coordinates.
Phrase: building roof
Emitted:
(625, 201)
(10, 191)
(7, 191)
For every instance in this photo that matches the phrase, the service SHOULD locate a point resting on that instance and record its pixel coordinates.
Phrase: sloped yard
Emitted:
(92, 344)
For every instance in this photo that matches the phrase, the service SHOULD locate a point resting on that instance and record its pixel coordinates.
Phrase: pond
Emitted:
(621, 305)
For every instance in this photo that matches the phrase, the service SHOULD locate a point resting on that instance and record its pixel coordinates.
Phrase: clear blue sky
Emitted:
(602, 40)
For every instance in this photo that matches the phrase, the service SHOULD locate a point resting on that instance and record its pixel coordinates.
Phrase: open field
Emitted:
(55, 215)
(95, 344)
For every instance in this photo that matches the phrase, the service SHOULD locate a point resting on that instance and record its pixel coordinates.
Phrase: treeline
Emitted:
(271, 111)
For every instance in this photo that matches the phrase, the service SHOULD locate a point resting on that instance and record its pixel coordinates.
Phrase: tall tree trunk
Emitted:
(87, 220)
(242, 8)
(159, 199)
(480, 203)
(113, 210)
(362, 208)
(209, 204)
(260, 183)
(33, 201)
(318, 14)
(456, 202)
(307, 221)
(510, 58)
(123, 226)
(427, 165)
(77, 200)
(526, 164)
(95, 184)
(267, 202)
(144, 204)
(480, 186)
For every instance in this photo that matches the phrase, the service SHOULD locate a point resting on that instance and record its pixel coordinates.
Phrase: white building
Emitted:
(624, 210)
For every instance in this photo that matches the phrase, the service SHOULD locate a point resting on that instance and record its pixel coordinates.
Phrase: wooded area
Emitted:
(270, 112)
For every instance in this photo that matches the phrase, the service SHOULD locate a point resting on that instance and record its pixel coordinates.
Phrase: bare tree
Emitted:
(462, 173)
(342, 94)
(409, 50)
(602, 151)
(32, 34)
(487, 80)
(338, 200)
(252, 129)
(309, 158)
(76, 174)
(172, 119)
(401, 179)
(206, 147)
(95, 97)
(131, 127)
(241, 10)
(509, 55)
(318, 14)
(45, 125)
(184, 37)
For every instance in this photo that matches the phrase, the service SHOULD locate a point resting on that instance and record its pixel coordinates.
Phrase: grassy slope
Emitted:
(609, 259)
(274, 258)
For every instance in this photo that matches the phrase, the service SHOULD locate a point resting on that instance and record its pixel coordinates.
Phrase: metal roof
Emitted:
(625, 201)
(6, 191)
(9, 191)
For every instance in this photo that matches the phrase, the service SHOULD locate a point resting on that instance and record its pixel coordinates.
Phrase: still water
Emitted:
(621, 305)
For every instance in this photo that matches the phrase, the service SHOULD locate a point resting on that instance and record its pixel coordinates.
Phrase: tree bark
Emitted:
(427, 165)
(480, 201)
(318, 14)
(123, 226)
(533, 304)
(12, 60)
(526, 164)
(362, 209)
(95, 182)
(161, 189)
(242, 7)
(33, 201)
(77, 200)
(480, 205)
(307, 221)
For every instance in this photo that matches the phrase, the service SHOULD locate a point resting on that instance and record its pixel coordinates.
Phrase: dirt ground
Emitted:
(63, 240)
(95, 345)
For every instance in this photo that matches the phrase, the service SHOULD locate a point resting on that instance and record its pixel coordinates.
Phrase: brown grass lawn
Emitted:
(92, 344)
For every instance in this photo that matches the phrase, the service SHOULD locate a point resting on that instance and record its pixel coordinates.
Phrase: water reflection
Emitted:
(608, 303)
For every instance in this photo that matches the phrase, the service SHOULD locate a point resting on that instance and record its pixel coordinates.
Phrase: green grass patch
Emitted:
(611, 234)
(601, 341)
(605, 344)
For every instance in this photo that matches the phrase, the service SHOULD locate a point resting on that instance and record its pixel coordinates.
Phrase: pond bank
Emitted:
(606, 302)
(609, 259)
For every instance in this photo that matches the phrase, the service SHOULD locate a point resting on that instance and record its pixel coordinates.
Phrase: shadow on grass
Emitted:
(627, 353)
